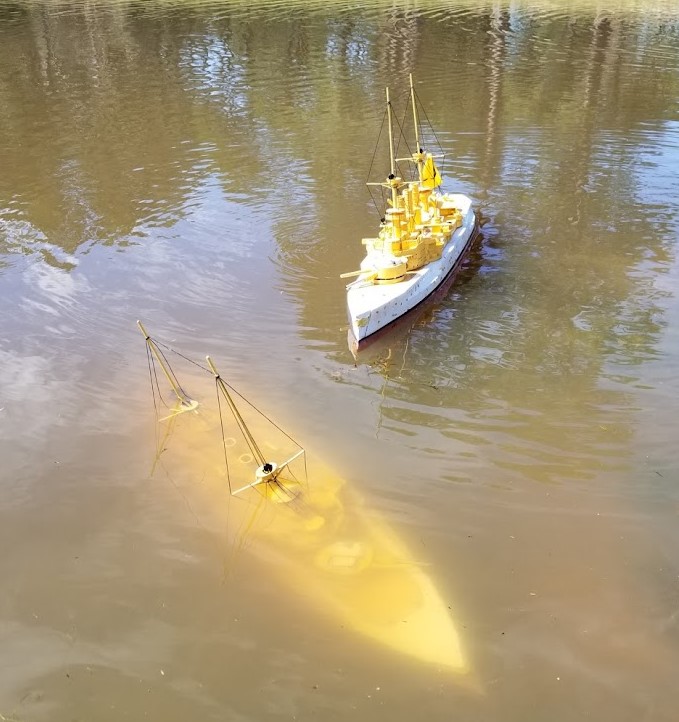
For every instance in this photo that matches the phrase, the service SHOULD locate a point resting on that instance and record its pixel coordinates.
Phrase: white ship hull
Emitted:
(373, 306)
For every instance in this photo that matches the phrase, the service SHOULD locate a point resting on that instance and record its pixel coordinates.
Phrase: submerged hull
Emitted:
(299, 517)
(353, 565)
(327, 547)
(372, 307)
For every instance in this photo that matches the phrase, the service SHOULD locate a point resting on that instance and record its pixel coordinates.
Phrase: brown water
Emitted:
(201, 165)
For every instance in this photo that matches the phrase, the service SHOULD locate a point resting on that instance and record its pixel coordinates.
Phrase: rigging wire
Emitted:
(223, 387)
(231, 389)
(402, 139)
(149, 361)
(171, 371)
(429, 123)
(221, 423)
(276, 485)
(181, 355)
(372, 162)
(153, 373)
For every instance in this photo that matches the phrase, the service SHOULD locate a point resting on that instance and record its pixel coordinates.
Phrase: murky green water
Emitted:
(201, 165)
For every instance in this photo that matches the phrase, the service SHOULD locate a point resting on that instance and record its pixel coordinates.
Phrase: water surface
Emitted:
(201, 165)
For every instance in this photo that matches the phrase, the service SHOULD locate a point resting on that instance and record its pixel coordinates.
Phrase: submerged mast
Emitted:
(185, 403)
(267, 472)
(256, 452)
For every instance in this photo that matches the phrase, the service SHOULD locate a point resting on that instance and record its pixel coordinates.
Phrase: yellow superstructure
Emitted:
(419, 221)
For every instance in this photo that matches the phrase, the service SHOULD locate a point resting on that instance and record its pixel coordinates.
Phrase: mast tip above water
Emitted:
(212, 366)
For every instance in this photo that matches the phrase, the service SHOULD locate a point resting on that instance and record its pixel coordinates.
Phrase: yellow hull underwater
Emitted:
(353, 564)
(324, 543)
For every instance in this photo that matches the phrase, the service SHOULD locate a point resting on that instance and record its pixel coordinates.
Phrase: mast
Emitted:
(417, 155)
(249, 439)
(267, 471)
(184, 400)
(392, 174)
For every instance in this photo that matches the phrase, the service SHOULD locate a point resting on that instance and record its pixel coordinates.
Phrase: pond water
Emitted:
(511, 448)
